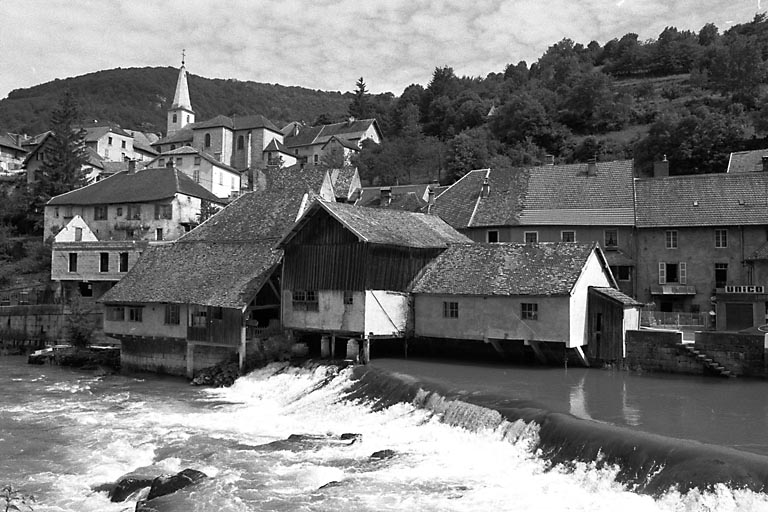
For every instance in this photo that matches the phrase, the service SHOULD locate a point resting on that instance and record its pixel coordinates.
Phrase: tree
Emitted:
(708, 34)
(80, 322)
(360, 108)
(63, 168)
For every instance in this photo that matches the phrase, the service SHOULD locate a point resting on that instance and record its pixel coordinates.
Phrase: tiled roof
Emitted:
(238, 123)
(93, 158)
(387, 227)
(137, 187)
(457, 203)
(189, 150)
(726, 199)
(208, 273)
(215, 122)
(543, 269)
(8, 143)
(618, 296)
(747, 161)
(544, 195)
(344, 143)
(94, 133)
(310, 135)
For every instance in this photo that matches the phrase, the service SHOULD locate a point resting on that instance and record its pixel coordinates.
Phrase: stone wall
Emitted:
(657, 351)
(742, 354)
(160, 355)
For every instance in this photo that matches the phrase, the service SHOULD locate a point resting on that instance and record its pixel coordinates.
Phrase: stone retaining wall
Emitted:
(159, 355)
(657, 351)
(742, 354)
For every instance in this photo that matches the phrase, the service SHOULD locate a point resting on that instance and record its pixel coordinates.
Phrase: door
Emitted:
(738, 316)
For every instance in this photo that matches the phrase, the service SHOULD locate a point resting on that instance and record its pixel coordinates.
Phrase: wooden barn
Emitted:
(347, 270)
(611, 315)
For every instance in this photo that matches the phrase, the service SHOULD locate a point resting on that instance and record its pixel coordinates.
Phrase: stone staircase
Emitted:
(708, 363)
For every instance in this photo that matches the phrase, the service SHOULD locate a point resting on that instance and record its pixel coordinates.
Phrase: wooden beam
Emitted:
(537, 351)
(274, 288)
(496, 345)
(582, 357)
(263, 306)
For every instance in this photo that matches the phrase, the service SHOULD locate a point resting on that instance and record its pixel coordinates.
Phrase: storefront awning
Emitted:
(672, 289)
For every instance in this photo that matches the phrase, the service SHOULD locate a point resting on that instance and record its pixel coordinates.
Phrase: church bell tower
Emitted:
(180, 114)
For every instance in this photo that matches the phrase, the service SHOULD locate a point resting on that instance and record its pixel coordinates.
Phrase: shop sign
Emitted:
(745, 289)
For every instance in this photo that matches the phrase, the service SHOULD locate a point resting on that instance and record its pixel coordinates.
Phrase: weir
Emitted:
(648, 463)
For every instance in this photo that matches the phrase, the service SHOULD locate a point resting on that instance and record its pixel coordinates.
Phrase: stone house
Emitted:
(701, 246)
(310, 143)
(220, 179)
(11, 155)
(101, 229)
(553, 297)
(214, 293)
(586, 202)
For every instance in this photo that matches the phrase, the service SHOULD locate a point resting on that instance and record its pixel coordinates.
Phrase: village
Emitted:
(228, 240)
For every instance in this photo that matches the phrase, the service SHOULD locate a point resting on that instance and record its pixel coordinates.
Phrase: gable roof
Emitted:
(207, 273)
(94, 133)
(725, 199)
(7, 142)
(747, 161)
(136, 187)
(545, 195)
(276, 145)
(189, 150)
(616, 296)
(182, 135)
(349, 130)
(384, 226)
(41, 140)
(543, 269)
(345, 143)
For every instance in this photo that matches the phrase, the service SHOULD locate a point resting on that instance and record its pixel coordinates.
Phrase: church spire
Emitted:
(180, 114)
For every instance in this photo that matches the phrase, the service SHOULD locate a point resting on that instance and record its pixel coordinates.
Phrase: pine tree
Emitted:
(63, 167)
(359, 108)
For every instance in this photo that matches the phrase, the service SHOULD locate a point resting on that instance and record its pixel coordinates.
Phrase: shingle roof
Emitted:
(727, 199)
(254, 121)
(208, 273)
(8, 143)
(276, 145)
(137, 187)
(183, 135)
(618, 296)
(94, 133)
(544, 195)
(747, 161)
(543, 269)
(309, 135)
(387, 227)
(344, 143)
(189, 150)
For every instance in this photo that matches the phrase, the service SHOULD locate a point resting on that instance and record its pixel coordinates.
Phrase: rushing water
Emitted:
(62, 433)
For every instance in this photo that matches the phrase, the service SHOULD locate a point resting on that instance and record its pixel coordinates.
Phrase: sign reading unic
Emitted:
(745, 289)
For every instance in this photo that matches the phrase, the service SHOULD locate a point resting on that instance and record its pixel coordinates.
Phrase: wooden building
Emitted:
(347, 270)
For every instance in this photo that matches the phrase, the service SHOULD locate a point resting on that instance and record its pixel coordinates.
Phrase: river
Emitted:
(64, 432)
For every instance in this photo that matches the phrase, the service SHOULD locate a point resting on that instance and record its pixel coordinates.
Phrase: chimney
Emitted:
(592, 167)
(385, 196)
(430, 200)
(549, 159)
(661, 169)
(765, 163)
(485, 191)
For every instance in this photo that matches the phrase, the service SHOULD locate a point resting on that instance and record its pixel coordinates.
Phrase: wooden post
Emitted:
(243, 350)
(333, 346)
(325, 349)
(365, 350)
(190, 360)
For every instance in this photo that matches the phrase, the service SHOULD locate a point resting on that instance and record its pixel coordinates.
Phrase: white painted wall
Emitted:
(67, 234)
(593, 274)
(386, 313)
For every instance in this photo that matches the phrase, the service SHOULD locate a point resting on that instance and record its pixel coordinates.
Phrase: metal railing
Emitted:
(652, 318)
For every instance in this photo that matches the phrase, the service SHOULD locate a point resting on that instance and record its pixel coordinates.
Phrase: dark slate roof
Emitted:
(544, 195)
(726, 199)
(617, 295)
(40, 143)
(215, 122)
(747, 161)
(310, 135)
(543, 269)
(183, 135)
(189, 150)
(254, 121)
(346, 143)
(208, 273)
(137, 187)
(8, 143)
(276, 145)
(93, 158)
(383, 226)
(94, 133)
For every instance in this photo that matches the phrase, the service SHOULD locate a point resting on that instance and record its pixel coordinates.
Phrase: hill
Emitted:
(139, 98)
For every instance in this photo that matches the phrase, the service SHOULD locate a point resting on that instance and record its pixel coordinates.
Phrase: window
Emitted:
(161, 162)
(568, 236)
(119, 211)
(134, 212)
(159, 234)
(187, 119)
(179, 161)
(240, 142)
(207, 140)
(78, 234)
(349, 298)
(529, 311)
(109, 141)
(73, 262)
(196, 175)
(163, 211)
(123, 262)
(104, 262)
(611, 238)
(86, 289)
(56, 212)
(199, 318)
(174, 118)
(123, 145)
(305, 300)
(100, 212)
(721, 275)
(492, 236)
(232, 182)
(721, 238)
(316, 159)
(172, 316)
(672, 273)
(450, 309)
(116, 313)
(134, 314)
(217, 313)
(531, 237)
(671, 239)
(197, 160)
(221, 178)
(622, 272)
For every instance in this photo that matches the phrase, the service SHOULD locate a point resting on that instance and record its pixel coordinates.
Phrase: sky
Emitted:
(323, 44)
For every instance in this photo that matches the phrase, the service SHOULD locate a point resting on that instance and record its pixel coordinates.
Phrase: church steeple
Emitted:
(180, 114)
